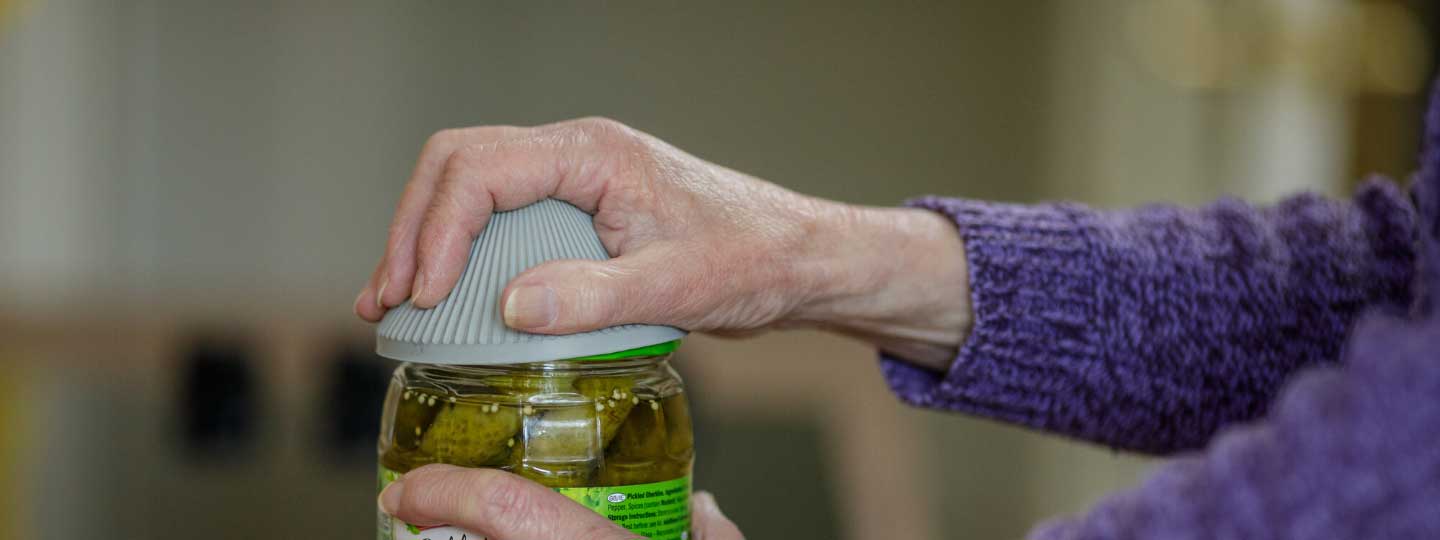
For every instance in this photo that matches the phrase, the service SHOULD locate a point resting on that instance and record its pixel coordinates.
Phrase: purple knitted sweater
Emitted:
(1288, 355)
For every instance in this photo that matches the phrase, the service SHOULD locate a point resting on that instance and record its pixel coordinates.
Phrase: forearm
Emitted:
(1150, 329)
(892, 277)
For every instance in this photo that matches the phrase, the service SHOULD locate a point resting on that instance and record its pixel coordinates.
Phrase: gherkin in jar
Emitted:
(613, 398)
(471, 434)
(563, 424)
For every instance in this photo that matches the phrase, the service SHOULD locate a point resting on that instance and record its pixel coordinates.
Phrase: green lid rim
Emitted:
(648, 350)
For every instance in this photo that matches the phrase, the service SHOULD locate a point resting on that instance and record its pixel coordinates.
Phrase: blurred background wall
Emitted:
(192, 192)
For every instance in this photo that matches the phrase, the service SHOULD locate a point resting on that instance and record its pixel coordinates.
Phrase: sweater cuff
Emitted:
(1032, 288)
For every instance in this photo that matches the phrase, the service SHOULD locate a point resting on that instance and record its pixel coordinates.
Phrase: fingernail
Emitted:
(530, 307)
(421, 281)
(355, 306)
(380, 294)
(390, 498)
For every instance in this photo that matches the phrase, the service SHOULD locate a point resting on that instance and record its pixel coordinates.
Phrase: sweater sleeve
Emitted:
(1150, 329)
(1348, 452)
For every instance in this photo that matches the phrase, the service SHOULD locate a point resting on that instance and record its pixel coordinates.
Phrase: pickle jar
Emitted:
(611, 433)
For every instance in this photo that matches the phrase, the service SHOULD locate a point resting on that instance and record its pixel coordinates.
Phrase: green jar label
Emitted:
(658, 511)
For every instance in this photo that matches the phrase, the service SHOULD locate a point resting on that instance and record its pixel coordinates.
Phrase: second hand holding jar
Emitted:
(610, 430)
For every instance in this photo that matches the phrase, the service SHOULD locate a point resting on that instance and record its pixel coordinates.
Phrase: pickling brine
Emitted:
(613, 435)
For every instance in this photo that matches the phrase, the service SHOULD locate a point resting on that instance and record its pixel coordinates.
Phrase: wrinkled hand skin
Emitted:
(501, 505)
(695, 245)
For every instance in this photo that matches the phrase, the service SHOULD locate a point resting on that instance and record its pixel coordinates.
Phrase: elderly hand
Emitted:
(501, 505)
(695, 245)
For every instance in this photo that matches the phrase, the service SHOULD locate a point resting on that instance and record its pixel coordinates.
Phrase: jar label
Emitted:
(658, 511)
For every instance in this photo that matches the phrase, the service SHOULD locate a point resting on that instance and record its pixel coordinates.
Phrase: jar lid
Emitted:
(467, 328)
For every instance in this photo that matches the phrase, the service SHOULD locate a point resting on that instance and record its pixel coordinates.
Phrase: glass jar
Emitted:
(611, 434)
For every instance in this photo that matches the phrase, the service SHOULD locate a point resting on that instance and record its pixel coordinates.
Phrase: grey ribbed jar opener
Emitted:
(466, 328)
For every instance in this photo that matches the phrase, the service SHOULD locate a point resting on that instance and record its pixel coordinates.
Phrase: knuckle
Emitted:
(502, 500)
(469, 156)
(441, 494)
(453, 171)
(487, 156)
(425, 496)
(498, 167)
(600, 123)
(440, 140)
(601, 130)
(478, 168)
(464, 166)
(595, 296)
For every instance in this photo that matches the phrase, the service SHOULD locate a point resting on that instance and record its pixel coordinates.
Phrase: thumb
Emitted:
(493, 503)
(568, 296)
(707, 522)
